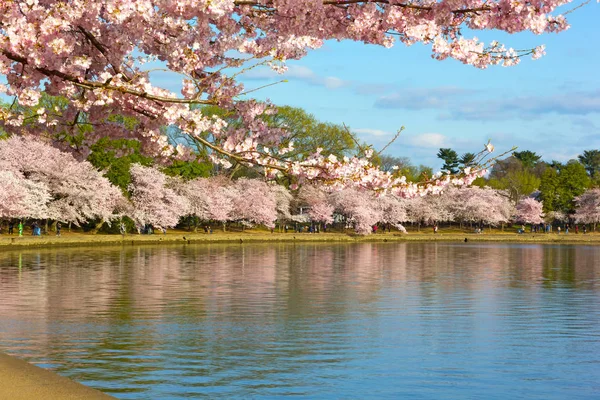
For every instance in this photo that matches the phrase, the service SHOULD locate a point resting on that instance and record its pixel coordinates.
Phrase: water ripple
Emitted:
(417, 320)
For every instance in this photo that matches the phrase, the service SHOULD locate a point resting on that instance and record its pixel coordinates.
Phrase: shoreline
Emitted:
(182, 237)
(28, 381)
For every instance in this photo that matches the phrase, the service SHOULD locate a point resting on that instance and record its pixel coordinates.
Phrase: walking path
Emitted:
(256, 236)
(24, 381)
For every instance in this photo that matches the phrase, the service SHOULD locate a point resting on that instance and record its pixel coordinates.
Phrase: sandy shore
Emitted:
(183, 237)
(24, 381)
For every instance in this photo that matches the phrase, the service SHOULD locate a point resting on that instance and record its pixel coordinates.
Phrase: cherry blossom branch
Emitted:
(87, 84)
(396, 136)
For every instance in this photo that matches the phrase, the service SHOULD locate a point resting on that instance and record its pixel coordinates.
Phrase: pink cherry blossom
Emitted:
(22, 198)
(588, 207)
(529, 211)
(78, 192)
(154, 202)
(99, 55)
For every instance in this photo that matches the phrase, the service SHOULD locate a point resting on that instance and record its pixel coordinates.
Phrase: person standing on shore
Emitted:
(20, 228)
(58, 226)
(11, 226)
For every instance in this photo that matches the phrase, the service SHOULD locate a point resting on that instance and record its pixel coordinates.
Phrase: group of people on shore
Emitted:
(36, 228)
(11, 228)
(548, 228)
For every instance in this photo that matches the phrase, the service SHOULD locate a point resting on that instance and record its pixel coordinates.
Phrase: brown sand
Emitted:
(20, 380)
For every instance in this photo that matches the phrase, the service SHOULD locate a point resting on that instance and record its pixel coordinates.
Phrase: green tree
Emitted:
(559, 186)
(591, 161)
(307, 133)
(529, 159)
(423, 172)
(467, 160)
(517, 183)
(450, 158)
(189, 169)
(115, 156)
(550, 189)
(511, 176)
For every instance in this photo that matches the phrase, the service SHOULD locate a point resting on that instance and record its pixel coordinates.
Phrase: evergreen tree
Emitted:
(450, 158)
(591, 161)
(467, 160)
(529, 159)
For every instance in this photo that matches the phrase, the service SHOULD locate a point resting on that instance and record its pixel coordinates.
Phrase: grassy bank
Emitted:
(250, 236)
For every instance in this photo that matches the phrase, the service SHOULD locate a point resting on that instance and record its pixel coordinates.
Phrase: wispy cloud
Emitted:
(428, 140)
(372, 132)
(578, 103)
(453, 103)
(296, 72)
(423, 98)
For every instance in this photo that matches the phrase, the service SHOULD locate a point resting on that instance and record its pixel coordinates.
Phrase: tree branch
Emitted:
(91, 85)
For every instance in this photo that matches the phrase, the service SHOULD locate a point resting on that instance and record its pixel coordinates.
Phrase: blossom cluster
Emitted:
(97, 54)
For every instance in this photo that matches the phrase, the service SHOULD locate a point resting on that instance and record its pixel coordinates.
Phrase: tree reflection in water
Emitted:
(273, 319)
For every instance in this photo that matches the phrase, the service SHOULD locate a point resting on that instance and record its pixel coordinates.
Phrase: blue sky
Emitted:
(551, 105)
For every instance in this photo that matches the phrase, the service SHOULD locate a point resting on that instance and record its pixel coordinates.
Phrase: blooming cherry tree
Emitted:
(22, 198)
(358, 207)
(153, 201)
(78, 192)
(474, 204)
(97, 55)
(392, 209)
(529, 211)
(254, 202)
(317, 199)
(588, 207)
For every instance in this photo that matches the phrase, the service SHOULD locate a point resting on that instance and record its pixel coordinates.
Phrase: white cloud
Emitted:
(331, 82)
(372, 132)
(300, 72)
(428, 140)
(423, 98)
(296, 72)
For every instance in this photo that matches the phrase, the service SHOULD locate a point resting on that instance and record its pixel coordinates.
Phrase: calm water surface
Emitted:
(388, 320)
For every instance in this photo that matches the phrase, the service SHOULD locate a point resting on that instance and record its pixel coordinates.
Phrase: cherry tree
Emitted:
(22, 198)
(358, 208)
(474, 204)
(429, 209)
(283, 199)
(392, 210)
(212, 198)
(556, 216)
(317, 199)
(78, 191)
(99, 56)
(254, 202)
(588, 207)
(154, 202)
(529, 211)
(220, 202)
(196, 192)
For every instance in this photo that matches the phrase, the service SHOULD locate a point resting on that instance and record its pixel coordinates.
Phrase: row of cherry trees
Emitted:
(39, 181)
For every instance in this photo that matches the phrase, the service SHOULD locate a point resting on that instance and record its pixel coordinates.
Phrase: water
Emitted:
(387, 320)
